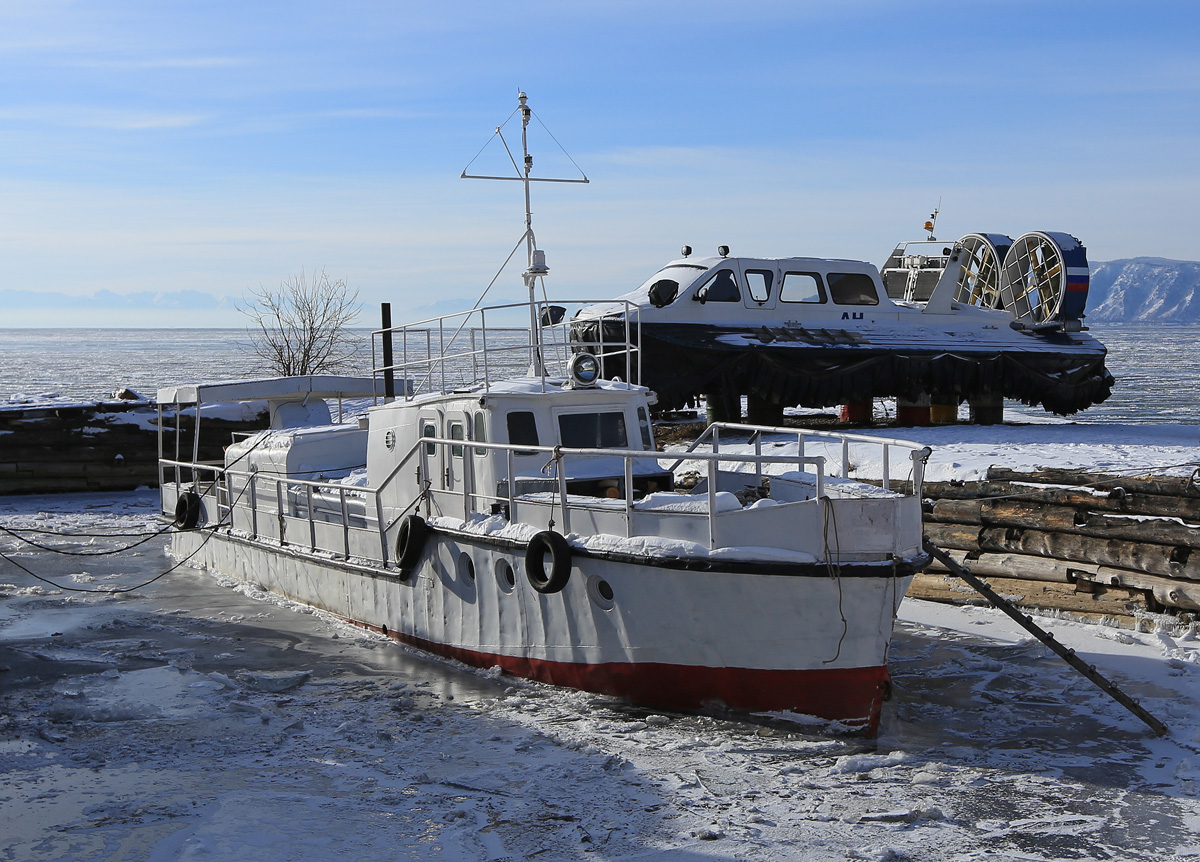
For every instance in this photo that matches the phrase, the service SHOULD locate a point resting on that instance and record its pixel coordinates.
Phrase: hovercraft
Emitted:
(986, 318)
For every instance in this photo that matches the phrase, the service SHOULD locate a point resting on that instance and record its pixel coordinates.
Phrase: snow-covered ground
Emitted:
(193, 720)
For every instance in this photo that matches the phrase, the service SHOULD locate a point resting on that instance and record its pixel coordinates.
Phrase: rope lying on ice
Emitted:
(211, 529)
(114, 590)
(16, 534)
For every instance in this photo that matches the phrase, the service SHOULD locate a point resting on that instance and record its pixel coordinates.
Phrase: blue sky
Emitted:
(149, 149)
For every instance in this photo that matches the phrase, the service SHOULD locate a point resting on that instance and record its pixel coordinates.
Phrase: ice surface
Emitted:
(192, 721)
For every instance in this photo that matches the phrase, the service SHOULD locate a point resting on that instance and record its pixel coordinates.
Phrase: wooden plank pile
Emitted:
(1088, 543)
(109, 446)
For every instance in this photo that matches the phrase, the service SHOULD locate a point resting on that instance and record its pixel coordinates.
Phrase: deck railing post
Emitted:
(345, 523)
(383, 542)
(512, 483)
(562, 491)
(253, 506)
(712, 501)
(758, 475)
(887, 473)
(312, 523)
(279, 511)
(628, 496)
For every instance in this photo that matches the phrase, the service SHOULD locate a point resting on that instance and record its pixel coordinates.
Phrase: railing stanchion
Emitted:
(279, 511)
(712, 502)
(253, 506)
(383, 542)
(312, 523)
(345, 522)
(628, 496)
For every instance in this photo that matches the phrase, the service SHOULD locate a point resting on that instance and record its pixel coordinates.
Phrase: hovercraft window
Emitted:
(456, 433)
(802, 287)
(722, 287)
(522, 428)
(852, 288)
(758, 283)
(593, 430)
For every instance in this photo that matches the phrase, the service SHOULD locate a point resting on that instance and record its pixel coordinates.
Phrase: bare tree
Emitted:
(302, 327)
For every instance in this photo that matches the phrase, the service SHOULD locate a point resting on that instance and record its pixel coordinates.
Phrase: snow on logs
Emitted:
(1075, 541)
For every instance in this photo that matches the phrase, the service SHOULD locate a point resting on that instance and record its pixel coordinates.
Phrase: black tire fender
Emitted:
(543, 543)
(187, 510)
(410, 543)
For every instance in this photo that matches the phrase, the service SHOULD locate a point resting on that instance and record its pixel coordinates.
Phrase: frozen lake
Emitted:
(1156, 375)
(189, 720)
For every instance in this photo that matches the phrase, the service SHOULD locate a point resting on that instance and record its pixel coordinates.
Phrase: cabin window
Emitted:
(758, 283)
(593, 430)
(802, 287)
(480, 433)
(852, 288)
(429, 429)
(456, 433)
(644, 427)
(522, 429)
(722, 287)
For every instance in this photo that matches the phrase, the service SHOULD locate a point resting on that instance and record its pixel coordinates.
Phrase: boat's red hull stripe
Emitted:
(850, 695)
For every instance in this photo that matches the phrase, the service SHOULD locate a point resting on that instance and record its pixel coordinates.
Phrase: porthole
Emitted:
(466, 567)
(601, 593)
(505, 577)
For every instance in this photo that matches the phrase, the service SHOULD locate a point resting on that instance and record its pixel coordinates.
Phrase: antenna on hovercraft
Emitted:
(932, 220)
(535, 257)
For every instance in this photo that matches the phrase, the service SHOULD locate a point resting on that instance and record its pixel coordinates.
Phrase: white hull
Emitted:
(670, 637)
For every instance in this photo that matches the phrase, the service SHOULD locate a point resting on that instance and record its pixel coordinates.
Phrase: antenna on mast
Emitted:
(535, 257)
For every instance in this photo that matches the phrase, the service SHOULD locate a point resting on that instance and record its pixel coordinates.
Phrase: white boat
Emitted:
(514, 512)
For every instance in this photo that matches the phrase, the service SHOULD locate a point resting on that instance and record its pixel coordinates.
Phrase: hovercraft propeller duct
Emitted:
(1044, 284)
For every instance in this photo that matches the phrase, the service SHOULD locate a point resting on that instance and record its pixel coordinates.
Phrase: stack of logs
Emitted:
(1087, 543)
(109, 446)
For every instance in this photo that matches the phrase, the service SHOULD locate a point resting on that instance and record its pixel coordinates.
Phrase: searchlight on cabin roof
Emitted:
(584, 370)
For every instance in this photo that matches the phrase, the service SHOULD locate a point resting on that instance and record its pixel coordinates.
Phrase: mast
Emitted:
(535, 258)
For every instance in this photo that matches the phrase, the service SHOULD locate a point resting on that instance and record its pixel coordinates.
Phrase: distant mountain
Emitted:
(1144, 289)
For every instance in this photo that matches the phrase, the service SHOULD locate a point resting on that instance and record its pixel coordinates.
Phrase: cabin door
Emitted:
(761, 287)
(453, 454)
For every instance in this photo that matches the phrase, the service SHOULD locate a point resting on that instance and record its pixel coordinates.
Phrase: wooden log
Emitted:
(1187, 508)
(1172, 486)
(957, 512)
(1172, 562)
(958, 537)
(1019, 566)
(1064, 519)
(1031, 594)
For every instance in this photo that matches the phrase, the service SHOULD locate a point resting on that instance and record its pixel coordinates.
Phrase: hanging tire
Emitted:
(410, 542)
(556, 547)
(187, 510)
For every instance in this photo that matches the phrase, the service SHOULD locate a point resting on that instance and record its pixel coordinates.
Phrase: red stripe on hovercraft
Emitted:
(853, 696)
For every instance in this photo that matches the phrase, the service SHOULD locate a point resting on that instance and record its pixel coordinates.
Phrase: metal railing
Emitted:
(449, 483)
(918, 453)
(484, 345)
